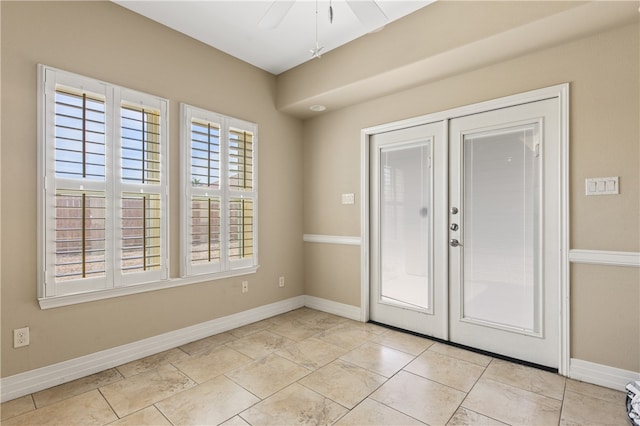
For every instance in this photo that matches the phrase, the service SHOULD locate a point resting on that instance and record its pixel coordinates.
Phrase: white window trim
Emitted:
(226, 268)
(72, 299)
(49, 302)
(48, 80)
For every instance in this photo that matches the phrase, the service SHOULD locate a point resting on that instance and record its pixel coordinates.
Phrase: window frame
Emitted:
(50, 80)
(226, 267)
(47, 298)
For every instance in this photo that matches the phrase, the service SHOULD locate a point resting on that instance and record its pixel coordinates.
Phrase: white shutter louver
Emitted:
(79, 203)
(219, 207)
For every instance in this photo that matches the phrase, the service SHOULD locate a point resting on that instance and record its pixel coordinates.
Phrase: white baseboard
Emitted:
(602, 375)
(52, 375)
(336, 308)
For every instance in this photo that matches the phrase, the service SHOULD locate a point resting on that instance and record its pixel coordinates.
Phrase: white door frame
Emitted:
(561, 92)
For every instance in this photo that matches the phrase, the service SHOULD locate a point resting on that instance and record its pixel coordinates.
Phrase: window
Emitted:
(219, 207)
(103, 163)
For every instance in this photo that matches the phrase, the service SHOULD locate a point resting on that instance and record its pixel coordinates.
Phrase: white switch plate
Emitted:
(601, 186)
(348, 198)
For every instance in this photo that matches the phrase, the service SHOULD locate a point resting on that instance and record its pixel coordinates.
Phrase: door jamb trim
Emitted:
(561, 92)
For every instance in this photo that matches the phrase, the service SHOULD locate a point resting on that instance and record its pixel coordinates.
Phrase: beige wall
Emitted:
(308, 165)
(603, 73)
(107, 42)
(605, 315)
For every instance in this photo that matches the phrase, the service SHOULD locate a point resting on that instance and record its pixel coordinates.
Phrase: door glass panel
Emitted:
(405, 225)
(502, 216)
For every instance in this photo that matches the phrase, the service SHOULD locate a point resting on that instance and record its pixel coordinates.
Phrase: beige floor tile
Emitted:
(458, 374)
(208, 343)
(606, 394)
(377, 358)
(149, 416)
(144, 389)
(295, 330)
(323, 320)
(75, 387)
(587, 410)
(252, 328)
(347, 335)
(295, 404)
(370, 412)
(370, 327)
(151, 362)
(343, 382)
(404, 342)
(420, 398)
(260, 344)
(464, 417)
(295, 315)
(86, 409)
(311, 353)
(235, 421)
(527, 378)
(268, 375)
(210, 403)
(206, 365)
(462, 354)
(512, 405)
(312, 367)
(16, 407)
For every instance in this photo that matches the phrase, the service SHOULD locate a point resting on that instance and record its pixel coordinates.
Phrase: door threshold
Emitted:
(470, 349)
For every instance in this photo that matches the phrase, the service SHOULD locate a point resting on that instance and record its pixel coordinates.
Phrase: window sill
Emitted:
(72, 299)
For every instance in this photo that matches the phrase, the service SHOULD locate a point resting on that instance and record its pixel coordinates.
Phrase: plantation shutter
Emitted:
(241, 195)
(141, 191)
(219, 205)
(80, 209)
(205, 192)
(103, 200)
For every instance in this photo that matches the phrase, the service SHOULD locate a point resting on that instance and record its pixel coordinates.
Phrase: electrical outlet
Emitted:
(21, 337)
(245, 286)
(281, 282)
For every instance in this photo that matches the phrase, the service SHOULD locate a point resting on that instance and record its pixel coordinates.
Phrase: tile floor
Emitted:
(310, 367)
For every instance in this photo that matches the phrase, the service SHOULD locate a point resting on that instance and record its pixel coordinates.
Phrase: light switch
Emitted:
(348, 198)
(602, 186)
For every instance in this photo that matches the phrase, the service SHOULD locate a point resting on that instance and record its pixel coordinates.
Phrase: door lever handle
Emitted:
(454, 243)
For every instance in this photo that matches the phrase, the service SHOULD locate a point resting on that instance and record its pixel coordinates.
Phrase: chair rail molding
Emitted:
(602, 257)
(332, 239)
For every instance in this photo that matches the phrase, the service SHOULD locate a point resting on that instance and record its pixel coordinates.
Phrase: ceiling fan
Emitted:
(367, 11)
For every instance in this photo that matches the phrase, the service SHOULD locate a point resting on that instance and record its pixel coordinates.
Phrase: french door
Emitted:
(407, 191)
(465, 230)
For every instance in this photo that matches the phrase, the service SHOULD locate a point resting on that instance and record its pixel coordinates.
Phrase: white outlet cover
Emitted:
(21, 337)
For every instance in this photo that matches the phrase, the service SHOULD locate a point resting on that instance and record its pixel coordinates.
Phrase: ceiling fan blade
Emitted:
(275, 14)
(368, 12)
